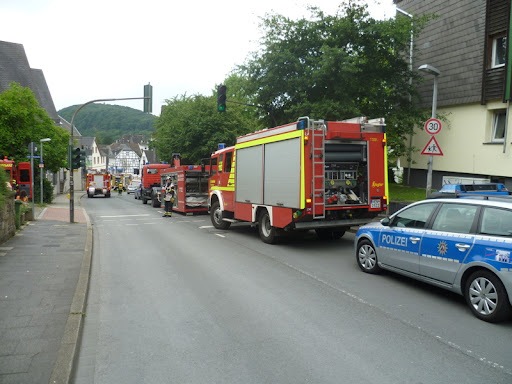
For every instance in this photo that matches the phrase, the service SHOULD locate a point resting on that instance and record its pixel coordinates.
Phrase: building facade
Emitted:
(468, 43)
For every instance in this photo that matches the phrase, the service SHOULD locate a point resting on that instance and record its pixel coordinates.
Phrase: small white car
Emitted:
(132, 187)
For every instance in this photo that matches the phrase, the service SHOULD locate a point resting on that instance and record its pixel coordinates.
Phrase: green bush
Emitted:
(47, 191)
(5, 193)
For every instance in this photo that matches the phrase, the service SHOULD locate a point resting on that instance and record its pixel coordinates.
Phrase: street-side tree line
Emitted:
(330, 67)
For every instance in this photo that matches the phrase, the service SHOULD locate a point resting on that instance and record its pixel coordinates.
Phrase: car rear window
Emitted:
(497, 222)
(455, 218)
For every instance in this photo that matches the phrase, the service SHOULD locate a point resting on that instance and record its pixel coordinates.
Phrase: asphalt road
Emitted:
(172, 300)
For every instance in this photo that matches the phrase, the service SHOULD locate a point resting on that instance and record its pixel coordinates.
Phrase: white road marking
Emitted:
(146, 214)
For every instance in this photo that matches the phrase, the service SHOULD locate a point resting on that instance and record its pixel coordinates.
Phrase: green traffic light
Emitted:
(221, 98)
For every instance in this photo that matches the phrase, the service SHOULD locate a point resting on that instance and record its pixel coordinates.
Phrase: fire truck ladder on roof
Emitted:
(317, 134)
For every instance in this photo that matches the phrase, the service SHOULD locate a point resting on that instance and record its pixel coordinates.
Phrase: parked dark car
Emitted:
(138, 191)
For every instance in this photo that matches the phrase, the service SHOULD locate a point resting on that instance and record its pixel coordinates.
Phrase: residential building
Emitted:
(468, 42)
(14, 67)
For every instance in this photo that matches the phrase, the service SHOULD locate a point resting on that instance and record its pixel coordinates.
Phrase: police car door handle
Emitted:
(415, 239)
(462, 247)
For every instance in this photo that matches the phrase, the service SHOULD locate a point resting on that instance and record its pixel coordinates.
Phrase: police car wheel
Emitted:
(366, 257)
(487, 297)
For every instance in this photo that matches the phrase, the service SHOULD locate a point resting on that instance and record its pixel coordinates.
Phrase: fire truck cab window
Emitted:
(24, 175)
(152, 171)
(227, 162)
(213, 167)
(221, 163)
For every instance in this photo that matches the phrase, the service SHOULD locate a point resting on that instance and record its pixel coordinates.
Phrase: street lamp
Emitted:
(427, 68)
(411, 50)
(41, 166)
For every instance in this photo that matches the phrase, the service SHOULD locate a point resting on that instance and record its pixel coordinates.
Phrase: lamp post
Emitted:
(41, 166)
(427, 68)
(411, 50)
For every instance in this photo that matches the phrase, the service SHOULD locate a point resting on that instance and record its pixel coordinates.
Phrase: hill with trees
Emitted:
(109, 122)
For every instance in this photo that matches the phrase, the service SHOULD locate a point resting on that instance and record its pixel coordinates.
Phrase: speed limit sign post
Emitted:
(433, 126)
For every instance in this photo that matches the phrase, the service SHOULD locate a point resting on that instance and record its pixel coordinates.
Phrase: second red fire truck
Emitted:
(321, 175)
(19, 175)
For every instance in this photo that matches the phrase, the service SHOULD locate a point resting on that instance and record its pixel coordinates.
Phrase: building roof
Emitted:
(67, 126)
(14, 67)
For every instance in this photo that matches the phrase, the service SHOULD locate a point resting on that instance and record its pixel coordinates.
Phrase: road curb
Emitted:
(63, 369)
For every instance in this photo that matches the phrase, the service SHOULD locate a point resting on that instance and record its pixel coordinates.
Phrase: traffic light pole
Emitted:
(70, 158)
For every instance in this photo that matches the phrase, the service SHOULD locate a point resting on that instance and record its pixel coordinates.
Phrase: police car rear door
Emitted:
(446, 246)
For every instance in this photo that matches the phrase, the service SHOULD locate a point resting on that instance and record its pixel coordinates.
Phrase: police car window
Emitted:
(455, 218)
(497, 222)
(414, 217)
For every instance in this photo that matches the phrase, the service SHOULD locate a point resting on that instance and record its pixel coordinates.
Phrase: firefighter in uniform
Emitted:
(169, 198)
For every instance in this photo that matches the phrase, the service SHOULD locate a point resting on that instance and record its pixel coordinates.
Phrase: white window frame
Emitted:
(498, 125)
(496, 43)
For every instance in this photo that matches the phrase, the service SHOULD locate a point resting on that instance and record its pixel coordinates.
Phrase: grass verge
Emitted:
(399, 192)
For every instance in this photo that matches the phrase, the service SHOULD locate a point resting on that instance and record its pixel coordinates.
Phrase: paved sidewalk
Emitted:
(44, 274)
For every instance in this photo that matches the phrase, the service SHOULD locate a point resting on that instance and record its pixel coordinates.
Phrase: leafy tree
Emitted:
(335, 67)
(191, 126)
(5, 193)
(23, 121)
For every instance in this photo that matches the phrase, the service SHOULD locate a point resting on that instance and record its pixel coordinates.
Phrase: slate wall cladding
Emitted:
(458, 42)
(453, 42)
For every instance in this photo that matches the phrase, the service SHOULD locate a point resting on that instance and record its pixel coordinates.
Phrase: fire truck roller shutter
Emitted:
(344, 152)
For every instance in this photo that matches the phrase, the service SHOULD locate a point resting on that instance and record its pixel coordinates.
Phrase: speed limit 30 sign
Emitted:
(433, 126)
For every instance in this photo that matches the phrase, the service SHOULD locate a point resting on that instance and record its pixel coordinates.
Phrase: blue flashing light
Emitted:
(221, 146)
(303, 123)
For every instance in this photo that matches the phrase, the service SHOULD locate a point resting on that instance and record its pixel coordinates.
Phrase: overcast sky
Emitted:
(99, 49)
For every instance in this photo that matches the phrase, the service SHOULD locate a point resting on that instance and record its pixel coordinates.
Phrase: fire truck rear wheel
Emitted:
(268, 233)
(216, 216)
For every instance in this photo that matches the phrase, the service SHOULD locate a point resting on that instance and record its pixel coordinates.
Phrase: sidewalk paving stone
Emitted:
(42, 273)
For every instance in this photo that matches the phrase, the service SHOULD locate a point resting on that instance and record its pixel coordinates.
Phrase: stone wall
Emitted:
(7, 220)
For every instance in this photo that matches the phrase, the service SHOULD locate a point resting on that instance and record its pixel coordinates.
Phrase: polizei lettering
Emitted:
(399, 241)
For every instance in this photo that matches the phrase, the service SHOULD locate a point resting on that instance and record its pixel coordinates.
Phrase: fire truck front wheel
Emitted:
(216, 216)
(268, 233)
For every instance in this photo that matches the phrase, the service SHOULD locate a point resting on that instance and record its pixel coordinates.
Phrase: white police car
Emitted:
(463, 245)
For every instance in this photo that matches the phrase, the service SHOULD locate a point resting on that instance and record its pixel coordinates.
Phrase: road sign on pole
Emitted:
(433, 126)
(432, 148)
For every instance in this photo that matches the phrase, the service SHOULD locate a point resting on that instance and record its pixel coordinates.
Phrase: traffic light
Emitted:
(148, 98)
(221, 98)
(82, 158)
(75, 158)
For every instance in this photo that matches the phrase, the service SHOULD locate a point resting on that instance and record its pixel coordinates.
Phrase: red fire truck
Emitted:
(151, 183)
(19, 175)
(191, 185)
(321, 175)
(98, 184)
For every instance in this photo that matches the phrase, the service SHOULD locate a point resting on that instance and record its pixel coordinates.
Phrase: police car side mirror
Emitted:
(385, 221)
